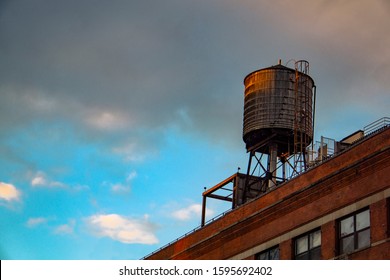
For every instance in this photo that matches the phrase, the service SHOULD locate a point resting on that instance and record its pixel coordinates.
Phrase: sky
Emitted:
(115, 115)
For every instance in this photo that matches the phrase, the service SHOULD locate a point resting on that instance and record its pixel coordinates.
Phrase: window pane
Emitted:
(270, 254)
(315, 254)
(347, 244)
(263, 256)
(364, 238)
(315, 239)
(363, 220)
(301, 245)
(304, 256)
(346, 226)
(274, 254)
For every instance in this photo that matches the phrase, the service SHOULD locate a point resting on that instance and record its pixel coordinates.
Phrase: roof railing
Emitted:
(378, 124)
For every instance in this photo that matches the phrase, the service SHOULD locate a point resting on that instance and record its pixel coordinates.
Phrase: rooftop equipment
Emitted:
(278, 124)
(278, 100)
(278, 127)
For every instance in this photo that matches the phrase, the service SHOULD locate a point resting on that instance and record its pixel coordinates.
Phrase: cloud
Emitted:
(131, 150)
(120, 188)
(9, 192)
(110, 70)
(65, 229)
(131, 176)
(123, 74)
(190, 212)
(351, 60)
(33, 222)
(40, 180)
(106, 120)
(123, 229)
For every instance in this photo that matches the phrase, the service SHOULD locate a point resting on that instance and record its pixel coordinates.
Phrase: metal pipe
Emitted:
(273, 157)
(203, 221)
(314, 114)
(251, 154)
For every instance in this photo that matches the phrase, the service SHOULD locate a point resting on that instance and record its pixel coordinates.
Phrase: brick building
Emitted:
(337, 209)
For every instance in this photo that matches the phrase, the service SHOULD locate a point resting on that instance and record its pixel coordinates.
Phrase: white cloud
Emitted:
(33, 222)
(126, 187)
(62, 229)
(9, 192)
(65, 228)
(107, 120)
(123, 229)
(130, 151)
(187, 213)
(132, 175)
(120, 188)
(40, 180)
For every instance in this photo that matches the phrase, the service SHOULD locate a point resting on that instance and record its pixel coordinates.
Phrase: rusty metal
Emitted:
(278, 122)
(277, 128)
(241, 184)
(211, 193)
(271, 106)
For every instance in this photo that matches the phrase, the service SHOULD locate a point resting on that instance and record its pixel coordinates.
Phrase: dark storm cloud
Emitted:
(348, 50)
(128, 70)
(149, 59)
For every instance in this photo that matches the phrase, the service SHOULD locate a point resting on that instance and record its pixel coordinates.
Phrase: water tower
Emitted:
(278, 125)
(279, 105)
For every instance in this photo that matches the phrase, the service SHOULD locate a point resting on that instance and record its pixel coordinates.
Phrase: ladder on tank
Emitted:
(302, 116)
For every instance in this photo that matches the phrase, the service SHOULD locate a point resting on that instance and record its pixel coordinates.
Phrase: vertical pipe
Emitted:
(236, 190)
(244, 191)
(314, 114)
(273, 156)
(203, 221)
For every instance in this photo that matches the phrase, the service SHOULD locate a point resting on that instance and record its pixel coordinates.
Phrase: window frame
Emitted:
(311, 251)
(268, 253)
(354, 233)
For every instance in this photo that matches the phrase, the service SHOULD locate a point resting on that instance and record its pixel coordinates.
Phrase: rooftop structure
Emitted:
(335, 205)
(343, 202)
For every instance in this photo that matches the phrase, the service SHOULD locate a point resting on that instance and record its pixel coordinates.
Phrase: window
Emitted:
(270, 254)
(354, 231)
(308, 246)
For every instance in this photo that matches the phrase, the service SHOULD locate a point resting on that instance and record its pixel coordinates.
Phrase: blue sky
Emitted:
(115, 115)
